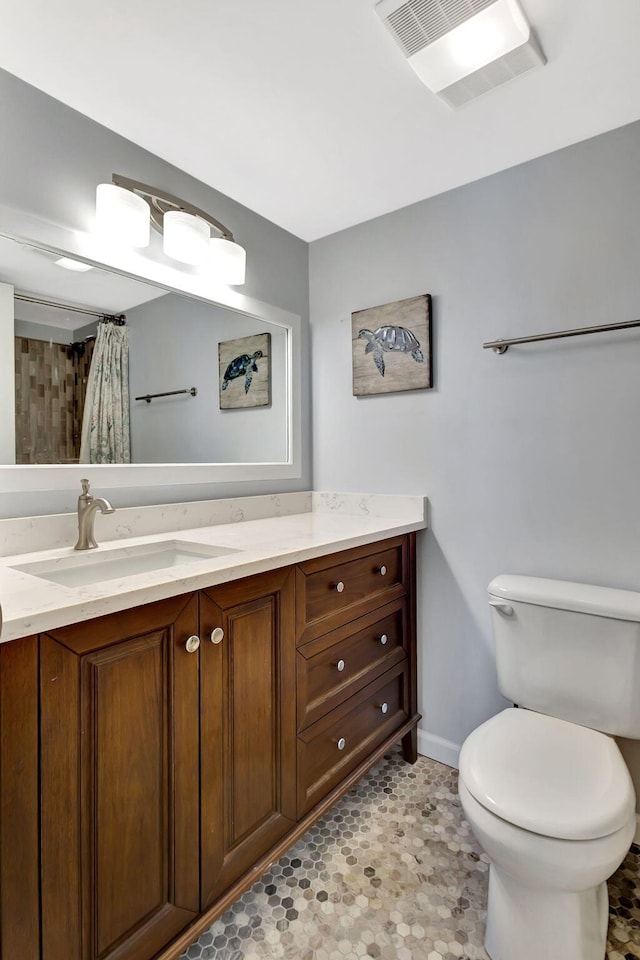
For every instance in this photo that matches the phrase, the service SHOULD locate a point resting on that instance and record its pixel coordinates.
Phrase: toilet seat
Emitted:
(548, 776)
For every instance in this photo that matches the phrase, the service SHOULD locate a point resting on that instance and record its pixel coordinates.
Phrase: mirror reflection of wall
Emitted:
(173, 343)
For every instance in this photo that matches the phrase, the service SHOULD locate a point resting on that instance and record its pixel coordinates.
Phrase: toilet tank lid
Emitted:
(565, 595)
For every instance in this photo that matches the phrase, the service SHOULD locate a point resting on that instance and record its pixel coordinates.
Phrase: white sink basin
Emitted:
(95, 566)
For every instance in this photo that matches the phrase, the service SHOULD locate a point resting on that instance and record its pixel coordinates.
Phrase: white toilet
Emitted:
(545, 788)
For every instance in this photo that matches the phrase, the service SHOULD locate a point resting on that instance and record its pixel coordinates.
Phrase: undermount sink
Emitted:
(96, 567)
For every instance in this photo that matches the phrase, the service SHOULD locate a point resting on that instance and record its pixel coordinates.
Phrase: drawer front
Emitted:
(336, 744)
(334, 667)
(342, 587)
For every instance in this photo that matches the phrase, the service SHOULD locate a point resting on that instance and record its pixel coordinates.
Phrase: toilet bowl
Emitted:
(552, 805)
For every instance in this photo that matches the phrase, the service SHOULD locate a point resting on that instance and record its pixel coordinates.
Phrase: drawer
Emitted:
(331, 748)
(335, 589)
(335, 666)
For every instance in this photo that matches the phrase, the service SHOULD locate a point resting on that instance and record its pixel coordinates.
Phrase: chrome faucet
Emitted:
(88, 506)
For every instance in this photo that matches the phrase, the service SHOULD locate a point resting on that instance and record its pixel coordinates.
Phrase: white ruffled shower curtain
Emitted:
(105, 424)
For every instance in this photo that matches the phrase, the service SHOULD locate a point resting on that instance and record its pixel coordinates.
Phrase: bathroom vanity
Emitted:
(167, 735)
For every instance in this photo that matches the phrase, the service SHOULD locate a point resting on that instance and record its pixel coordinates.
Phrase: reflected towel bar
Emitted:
(501, 346)
(170, 393)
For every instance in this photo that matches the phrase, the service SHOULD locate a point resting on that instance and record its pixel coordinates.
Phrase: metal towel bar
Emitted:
(169, 393)
(501, 346)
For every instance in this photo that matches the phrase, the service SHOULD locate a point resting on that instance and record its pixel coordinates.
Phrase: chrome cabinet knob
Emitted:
(342, 743)
(340, 665)
(383, 639)
(382, 571)
(217, 635)
(192, 644)
(339, 586)
(384, 708)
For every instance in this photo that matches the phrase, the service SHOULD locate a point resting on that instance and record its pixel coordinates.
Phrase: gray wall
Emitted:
(531, 460)
(51, 161)
(41, 331)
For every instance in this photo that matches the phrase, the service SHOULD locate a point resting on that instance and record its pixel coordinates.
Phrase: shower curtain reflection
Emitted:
(105, 425)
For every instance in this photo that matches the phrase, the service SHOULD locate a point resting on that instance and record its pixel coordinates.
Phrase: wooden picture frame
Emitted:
(244, 367)
(391, 347)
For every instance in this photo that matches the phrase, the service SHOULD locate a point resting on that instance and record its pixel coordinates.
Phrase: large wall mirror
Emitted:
(227, 373)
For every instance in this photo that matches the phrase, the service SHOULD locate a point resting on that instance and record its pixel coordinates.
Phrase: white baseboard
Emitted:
(437, 748)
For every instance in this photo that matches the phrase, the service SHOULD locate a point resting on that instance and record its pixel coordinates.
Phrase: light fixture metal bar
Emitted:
(152, 193)
(501, 346)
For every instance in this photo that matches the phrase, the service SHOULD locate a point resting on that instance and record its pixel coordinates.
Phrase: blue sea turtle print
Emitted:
(244, 365)
(388, 338)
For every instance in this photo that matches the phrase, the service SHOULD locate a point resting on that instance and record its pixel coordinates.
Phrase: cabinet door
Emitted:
(119, 783)
(19, 833)
(248, 727)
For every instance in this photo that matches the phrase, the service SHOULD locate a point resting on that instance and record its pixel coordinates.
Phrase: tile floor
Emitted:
(392, 872)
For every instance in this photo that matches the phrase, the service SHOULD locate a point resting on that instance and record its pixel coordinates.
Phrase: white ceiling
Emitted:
(305, 110)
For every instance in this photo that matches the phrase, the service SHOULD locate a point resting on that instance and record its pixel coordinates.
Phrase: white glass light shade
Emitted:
(228, 260)
(185, 237)
(122, 216)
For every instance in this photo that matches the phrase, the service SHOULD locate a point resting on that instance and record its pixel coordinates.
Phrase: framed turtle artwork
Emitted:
(391, 347)
(244, 367)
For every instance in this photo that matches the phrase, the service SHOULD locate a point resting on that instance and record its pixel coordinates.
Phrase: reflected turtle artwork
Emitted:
(242, 366)
(244, 369)
(397, 338)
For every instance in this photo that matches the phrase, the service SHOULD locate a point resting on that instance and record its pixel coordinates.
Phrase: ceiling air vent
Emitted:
(462, 49)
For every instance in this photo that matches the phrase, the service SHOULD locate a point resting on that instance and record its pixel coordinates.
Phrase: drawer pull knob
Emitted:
(192, 644)
(339, 586)
(382, 571)
(342, 743)
(383, 639)
(217, 635)
(340, 665)
(384, 707)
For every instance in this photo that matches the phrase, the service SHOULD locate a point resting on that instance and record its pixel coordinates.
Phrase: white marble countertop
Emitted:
(266, 533)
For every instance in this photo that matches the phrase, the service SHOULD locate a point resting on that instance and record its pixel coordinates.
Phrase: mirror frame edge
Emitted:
(26, 228)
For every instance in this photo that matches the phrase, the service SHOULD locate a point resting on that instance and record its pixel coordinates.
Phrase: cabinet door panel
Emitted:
(19, 837)
(248, 725)
(124, 834)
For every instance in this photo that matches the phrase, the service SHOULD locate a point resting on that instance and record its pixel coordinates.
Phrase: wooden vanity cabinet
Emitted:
(154, 762)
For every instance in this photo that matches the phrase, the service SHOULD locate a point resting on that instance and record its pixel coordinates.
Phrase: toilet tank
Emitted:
(569, 650)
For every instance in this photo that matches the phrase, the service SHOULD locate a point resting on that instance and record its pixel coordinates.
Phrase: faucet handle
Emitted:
(85, 495)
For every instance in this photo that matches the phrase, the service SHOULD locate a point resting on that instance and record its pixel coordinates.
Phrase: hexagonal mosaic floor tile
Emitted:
(392, 872)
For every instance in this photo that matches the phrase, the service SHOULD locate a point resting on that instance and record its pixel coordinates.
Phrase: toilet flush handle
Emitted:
(502, 607)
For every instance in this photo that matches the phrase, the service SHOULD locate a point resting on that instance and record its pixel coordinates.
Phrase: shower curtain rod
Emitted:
(67, 306)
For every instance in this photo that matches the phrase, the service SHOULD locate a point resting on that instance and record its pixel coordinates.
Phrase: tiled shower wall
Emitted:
(50, 391)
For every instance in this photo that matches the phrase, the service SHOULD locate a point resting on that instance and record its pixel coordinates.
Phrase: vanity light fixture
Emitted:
(125, 209)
